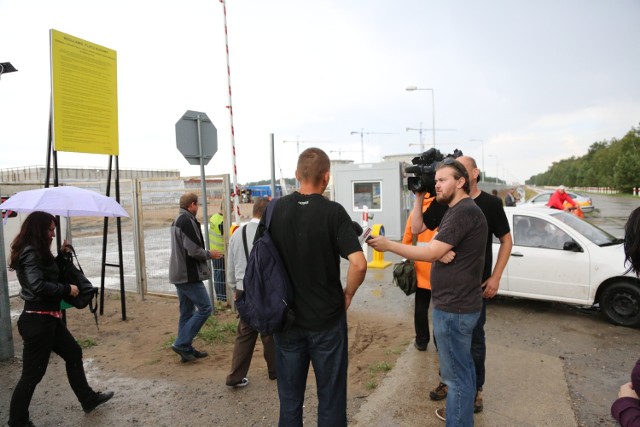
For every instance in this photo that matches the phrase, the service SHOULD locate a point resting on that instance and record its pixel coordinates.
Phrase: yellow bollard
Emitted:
(378, 257)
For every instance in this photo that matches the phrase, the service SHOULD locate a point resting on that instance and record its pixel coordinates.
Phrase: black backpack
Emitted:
(265, 304)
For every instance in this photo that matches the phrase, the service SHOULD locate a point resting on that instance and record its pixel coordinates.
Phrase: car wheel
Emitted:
(620, 304)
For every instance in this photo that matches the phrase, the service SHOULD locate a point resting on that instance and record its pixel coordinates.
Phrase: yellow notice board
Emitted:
(85, 95)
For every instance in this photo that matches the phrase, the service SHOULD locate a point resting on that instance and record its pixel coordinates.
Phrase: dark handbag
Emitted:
(70, 274)
(404, 273)
(404, 276)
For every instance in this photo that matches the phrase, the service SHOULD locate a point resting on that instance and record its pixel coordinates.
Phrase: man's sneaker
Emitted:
(185, 356)
(439, 392)
(478, 405)
(199, 354)
(441, 414)
(243, 383)
(98, 400)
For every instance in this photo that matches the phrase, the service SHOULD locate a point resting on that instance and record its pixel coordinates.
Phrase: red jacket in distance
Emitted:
(558, 198)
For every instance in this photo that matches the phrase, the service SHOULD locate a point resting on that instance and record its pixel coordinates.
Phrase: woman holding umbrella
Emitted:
(40, 324)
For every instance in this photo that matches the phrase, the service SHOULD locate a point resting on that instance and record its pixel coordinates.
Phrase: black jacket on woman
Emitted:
(38, 279)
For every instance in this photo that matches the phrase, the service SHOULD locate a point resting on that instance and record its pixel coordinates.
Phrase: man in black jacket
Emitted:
(188, 267)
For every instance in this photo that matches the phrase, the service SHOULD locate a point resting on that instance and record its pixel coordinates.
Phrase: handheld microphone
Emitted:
(363, 235)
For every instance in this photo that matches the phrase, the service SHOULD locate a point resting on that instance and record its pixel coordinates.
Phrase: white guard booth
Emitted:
(381, 187)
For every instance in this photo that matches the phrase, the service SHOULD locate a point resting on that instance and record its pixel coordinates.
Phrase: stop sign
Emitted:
(187, 137)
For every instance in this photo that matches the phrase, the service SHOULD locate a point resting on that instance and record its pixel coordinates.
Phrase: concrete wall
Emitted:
(37, 174)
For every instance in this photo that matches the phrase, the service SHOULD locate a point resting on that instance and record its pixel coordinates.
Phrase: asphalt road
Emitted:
(611, 212)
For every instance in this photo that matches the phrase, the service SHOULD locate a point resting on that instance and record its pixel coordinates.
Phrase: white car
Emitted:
(558, 257)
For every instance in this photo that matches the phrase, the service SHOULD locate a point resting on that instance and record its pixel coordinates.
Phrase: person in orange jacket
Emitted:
(423, 290)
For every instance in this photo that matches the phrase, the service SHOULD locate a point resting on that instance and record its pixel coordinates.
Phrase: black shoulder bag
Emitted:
(70, 274)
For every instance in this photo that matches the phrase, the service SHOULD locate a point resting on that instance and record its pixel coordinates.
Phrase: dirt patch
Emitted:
(133, 358)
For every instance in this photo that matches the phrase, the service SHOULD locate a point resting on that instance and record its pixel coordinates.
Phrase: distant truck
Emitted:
(251, 191)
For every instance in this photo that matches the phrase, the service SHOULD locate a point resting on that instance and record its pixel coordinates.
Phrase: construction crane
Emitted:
(340, 151)
(298, 142)
(420, 129)
(362, 133)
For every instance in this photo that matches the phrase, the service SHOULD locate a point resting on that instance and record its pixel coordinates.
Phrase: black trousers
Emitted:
(43, 334)
(421, 315)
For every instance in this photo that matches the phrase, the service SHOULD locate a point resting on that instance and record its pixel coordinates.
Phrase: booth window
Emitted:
(367, 193)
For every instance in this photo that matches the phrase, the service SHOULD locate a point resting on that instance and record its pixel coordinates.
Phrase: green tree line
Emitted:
(614, 163)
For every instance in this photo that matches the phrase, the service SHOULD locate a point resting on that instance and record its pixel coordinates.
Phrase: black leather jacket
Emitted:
(41, 290)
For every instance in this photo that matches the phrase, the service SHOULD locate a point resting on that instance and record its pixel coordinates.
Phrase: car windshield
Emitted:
(590, 231)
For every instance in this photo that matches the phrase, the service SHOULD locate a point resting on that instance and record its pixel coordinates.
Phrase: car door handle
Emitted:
(517, 254)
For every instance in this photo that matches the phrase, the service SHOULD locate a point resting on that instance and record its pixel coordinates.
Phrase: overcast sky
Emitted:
(536, 80)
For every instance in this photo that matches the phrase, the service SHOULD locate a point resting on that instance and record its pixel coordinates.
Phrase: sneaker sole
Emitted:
(241, 384)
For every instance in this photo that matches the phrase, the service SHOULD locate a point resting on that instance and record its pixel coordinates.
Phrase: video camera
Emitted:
(424, 170)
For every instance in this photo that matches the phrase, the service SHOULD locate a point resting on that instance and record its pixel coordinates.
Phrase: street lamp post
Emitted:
(433, 109)
(482, 142)
(497, 166)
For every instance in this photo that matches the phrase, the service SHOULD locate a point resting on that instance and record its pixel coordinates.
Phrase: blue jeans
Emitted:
(479, 346)
(195, 309)
(453, 333)
(327, 351)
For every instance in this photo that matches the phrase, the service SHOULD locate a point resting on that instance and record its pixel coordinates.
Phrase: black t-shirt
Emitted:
(497, 225)
(311, 234)
(455, 286)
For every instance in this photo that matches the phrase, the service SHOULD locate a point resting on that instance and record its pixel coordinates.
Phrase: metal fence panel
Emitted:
(160, 204)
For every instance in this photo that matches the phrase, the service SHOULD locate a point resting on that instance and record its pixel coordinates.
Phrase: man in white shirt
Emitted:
(240, 246)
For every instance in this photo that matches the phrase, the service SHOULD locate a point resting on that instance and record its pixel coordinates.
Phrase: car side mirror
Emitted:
(572, 246)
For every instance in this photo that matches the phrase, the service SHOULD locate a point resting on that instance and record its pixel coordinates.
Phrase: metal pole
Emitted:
(138, 238)
(6, 335)
(236, 199)
(205, 216)
(482, 160)
(273, 169)
(433, 116)
(362, 145)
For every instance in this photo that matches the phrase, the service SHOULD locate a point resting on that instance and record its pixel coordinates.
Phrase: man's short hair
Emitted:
(259, 206)
(459, 171)
(186, 199)
(313, 163)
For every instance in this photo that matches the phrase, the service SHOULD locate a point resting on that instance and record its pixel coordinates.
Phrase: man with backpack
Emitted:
(240, 246)
(311, 233)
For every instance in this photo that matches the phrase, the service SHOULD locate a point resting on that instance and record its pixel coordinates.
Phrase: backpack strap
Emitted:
(93, 307)
(270, 207)
(244, 241)
(264, 227)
